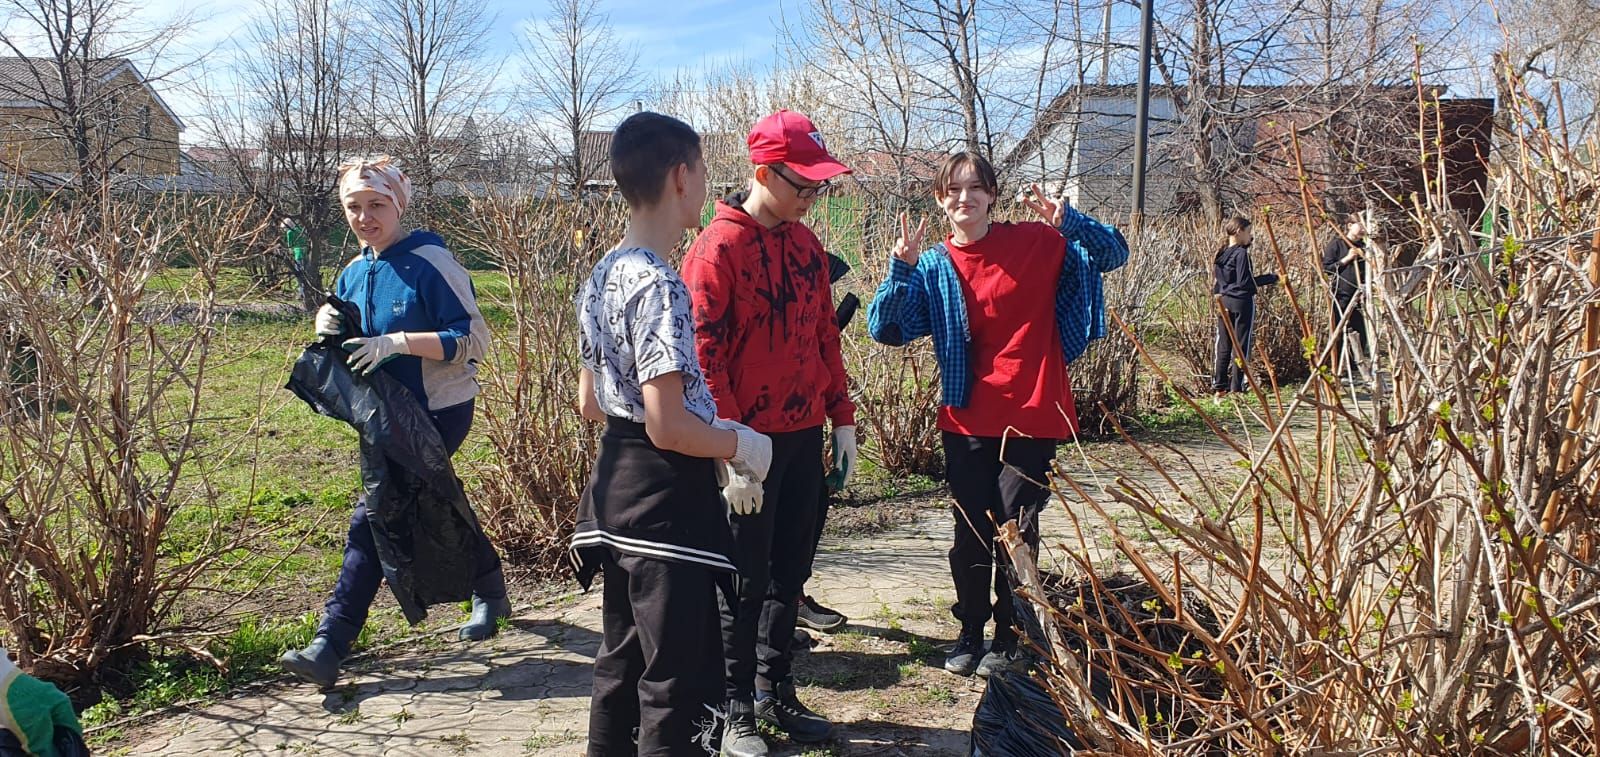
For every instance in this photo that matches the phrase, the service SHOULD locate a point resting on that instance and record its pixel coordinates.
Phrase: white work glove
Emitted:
(329, 321)
(754, 455)
(844, 455)
(367, 353)
(743, 495)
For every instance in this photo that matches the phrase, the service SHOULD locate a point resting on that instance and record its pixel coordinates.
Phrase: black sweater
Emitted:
(1232, 278)
(1346, 278)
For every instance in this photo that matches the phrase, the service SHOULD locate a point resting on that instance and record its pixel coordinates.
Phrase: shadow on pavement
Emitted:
(877, 737)
(855, 670)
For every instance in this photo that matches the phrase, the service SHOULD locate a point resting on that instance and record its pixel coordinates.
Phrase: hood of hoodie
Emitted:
(731, 208)
(1228, 251)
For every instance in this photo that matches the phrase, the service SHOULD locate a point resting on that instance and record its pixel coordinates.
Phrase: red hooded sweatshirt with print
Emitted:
(763, 322)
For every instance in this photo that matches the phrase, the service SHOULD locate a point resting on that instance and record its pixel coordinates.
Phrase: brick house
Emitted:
(1083, 144)
(129, 123)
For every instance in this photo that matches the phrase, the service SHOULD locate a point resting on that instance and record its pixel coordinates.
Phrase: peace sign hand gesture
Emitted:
(1049, 210)
(908, 248)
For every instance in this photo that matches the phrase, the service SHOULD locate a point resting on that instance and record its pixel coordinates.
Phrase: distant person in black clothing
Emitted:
(1345, 262)
(1235, 286)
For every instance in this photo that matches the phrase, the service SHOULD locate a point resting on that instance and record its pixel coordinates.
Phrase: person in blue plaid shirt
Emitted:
(1009, 306)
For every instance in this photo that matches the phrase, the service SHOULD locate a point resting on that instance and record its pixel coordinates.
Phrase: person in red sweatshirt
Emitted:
(1009, 306)
(768, 342)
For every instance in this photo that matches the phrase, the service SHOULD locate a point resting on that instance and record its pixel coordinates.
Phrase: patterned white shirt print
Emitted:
(634, 324)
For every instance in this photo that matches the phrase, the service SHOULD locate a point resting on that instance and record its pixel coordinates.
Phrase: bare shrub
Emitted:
(1190, 310)
(1106, 378)
(897, 394)
(108, 439)
(528, 409)
(1407, 572)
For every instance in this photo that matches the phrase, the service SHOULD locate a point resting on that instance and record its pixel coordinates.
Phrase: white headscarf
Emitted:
(379, 174)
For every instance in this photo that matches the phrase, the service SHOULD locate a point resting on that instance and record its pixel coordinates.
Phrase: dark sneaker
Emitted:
(783, 710)
(816, 617)
(802, 641)
(997, 660)
(964, 656)
(740, 737)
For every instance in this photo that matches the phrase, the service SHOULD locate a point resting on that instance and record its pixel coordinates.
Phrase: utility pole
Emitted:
(1105, 45)
(1141, 140)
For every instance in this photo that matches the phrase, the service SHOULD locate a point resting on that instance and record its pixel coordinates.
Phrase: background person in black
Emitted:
(1344, 259)
(1234, 285)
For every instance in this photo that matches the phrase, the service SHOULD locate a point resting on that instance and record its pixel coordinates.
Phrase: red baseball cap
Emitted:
(790, 138)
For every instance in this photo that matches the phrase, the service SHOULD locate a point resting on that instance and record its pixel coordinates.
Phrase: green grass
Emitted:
(233, 284)
(922, 650)
(545, 741)
(935, 694)
(873, 481)
(271, 469)
(1177, 415)
(249, 653)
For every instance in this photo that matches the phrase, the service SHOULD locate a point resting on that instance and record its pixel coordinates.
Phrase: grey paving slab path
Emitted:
(526, 692)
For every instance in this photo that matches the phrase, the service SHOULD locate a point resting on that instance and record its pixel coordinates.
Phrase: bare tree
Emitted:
(1340, 71)
(75, 79)
(289, 127)
(910, 80)
(865, 69)
(577, 72)
(430, 64)
(1015, 82)
(509, 153)
(942, 64)
(1547, 49)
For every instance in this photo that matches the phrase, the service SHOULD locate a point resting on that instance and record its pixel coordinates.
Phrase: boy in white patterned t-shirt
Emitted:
(651, 518)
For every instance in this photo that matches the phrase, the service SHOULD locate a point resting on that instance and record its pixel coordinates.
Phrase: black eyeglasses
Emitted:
(803, 191)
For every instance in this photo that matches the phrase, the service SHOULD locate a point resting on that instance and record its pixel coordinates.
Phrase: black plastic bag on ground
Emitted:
(67, 743)
(424, 529)
(1017, 718)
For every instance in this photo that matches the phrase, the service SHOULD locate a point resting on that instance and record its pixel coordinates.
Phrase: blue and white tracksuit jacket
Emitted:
(417, 285)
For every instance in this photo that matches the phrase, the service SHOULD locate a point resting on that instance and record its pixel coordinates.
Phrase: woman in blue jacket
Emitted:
(420, 324)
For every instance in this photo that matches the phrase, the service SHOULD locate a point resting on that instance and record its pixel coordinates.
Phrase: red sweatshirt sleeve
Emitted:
(836, 397)
(711, 280)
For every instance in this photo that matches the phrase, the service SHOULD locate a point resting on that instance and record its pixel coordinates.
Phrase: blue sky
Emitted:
(689, 33)
(668, 35)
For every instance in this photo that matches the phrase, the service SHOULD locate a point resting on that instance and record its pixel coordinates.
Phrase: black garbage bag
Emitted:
(424, 529)
(1038, 726)
(1017, 718)
(66, 741)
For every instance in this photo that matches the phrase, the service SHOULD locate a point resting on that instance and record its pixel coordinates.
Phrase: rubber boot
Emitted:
(318, 663)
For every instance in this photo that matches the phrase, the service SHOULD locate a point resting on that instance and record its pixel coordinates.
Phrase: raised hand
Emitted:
(1049, 210)
(908, 248)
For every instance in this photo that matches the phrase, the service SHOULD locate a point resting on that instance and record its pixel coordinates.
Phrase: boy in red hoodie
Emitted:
(768, 342)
